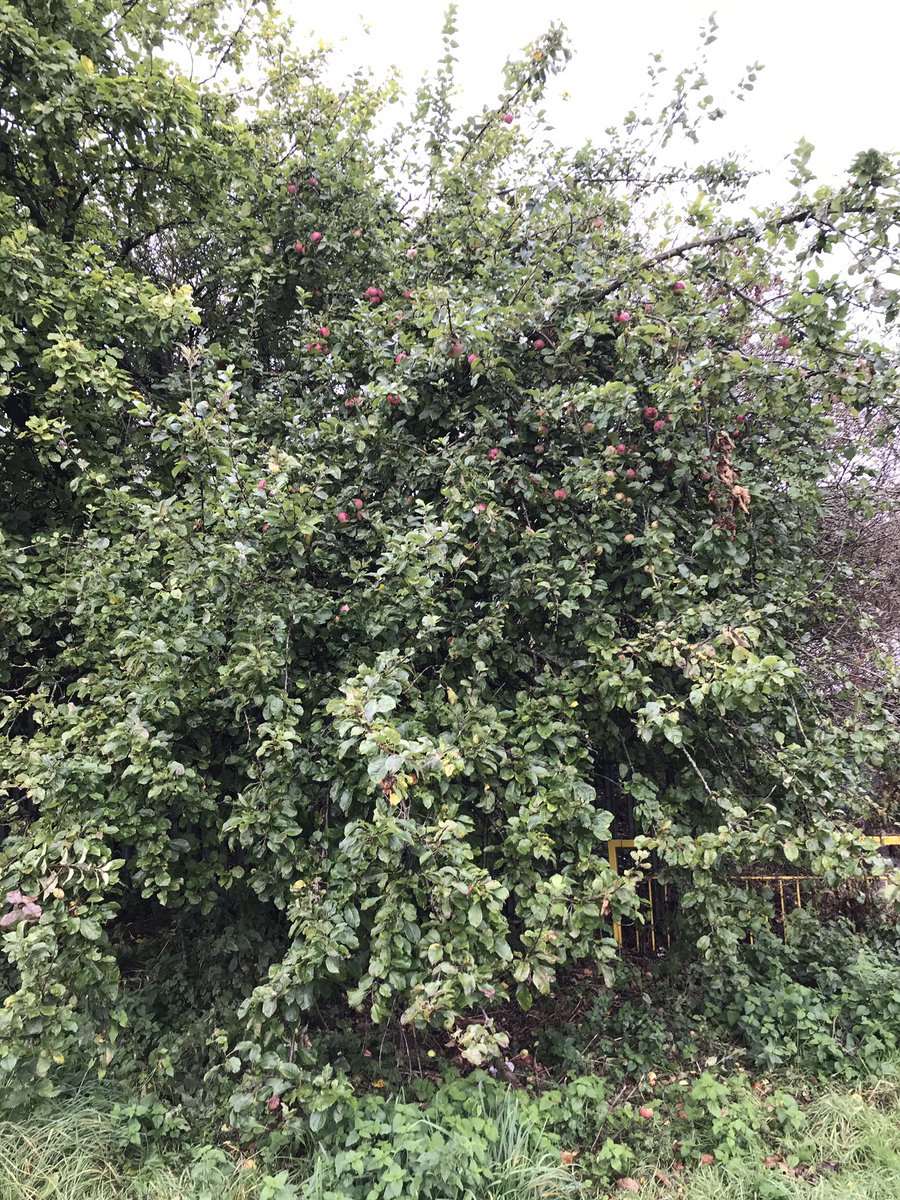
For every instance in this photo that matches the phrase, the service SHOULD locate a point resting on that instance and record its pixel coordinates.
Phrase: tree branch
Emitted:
(719, 239)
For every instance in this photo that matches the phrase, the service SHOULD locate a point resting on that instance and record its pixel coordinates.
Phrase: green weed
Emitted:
(78, 1150)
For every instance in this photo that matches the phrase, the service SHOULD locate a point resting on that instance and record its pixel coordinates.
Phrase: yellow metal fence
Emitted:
(654, 931)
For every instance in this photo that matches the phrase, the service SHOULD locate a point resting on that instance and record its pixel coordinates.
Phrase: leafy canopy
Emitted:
(390, 518)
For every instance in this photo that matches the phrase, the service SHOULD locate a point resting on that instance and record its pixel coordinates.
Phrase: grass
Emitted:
(852, 1153)
(75, 1150)
(515, 1164)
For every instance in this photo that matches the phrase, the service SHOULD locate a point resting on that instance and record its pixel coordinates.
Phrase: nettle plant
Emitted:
(377, 504)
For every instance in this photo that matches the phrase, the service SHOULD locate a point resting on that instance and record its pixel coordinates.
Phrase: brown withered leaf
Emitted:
(742, 495)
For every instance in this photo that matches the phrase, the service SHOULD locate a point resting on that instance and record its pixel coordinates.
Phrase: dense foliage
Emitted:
(385, 515)
(476, 1140)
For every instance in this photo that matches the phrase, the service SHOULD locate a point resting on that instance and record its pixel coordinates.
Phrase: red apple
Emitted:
(651, 413)
(273, 1103)
(315, 237)
(291, 189)
(623, 317)
(400, 357)
(455, 350)
(560, 493)
(631, 474)
(539, 343)
(621, 448)
(646, 1113)
(299, 247)
(679, 286)
(658, 426)
(508, 118)
(324, 331)
(493, 453)
(784, 341)
(394, 400)
(357, 503)
(343, 517)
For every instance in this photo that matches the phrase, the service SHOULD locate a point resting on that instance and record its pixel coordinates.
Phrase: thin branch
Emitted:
(699, 773)
(719, 239)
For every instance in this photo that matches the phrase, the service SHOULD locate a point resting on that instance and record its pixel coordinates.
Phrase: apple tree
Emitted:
(388, 514)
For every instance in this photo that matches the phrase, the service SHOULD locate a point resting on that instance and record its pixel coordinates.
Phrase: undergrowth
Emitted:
(776, 1079)
(479, 1143)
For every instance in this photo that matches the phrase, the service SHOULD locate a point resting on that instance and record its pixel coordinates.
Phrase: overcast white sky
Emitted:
(831, 67)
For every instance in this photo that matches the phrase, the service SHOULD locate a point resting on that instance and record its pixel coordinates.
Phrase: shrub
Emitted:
(824, 1001)
(382, 522)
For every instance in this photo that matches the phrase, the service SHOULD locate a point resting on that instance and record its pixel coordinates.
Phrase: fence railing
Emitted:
(658, 900)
